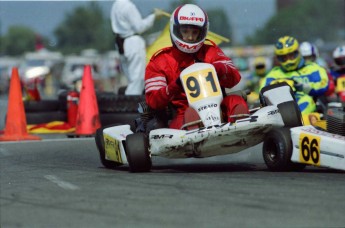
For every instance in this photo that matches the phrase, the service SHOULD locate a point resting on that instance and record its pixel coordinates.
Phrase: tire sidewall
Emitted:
(278, 140)
(137, 152)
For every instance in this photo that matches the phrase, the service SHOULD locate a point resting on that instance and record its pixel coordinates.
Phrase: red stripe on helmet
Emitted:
(176, 14)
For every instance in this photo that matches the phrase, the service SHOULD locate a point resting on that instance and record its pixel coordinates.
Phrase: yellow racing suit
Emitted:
(310, 75)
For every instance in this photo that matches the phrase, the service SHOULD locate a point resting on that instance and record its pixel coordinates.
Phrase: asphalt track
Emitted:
(61, 183)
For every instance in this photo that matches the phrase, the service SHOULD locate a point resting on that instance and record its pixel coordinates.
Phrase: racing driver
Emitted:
(188, 29)
(309, 80)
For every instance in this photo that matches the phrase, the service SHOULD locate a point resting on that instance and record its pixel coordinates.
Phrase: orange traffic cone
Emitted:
(15, 129)
(88, 115)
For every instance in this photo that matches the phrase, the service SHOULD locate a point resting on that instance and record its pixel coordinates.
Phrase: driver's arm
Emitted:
(227, 72)
(158, 91)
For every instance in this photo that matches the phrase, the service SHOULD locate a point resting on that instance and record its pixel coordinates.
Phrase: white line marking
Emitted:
(62, 184)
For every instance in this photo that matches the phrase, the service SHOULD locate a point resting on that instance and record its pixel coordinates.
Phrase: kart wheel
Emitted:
(277, 151)
(138, 156)
(101, 149)
(290, 113)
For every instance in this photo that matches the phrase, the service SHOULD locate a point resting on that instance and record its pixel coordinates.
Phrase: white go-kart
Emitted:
(119, 145)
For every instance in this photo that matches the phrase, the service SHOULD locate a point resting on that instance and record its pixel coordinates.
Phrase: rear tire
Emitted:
(277, 151)
(101, 149)
(138, 155)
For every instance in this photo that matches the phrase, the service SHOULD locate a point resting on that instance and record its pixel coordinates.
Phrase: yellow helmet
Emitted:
(260, 66)
(287, 52)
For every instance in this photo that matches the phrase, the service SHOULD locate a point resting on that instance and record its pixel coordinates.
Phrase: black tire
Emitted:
(112, 103)
(101, 149)
(138, 156)
(277, 151)
(45, 117)
(41, 106)
(290, 113)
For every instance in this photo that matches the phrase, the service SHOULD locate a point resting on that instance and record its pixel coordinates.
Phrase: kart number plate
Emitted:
(112, 149)
(309, 149)
(201, 84)
(341, 84)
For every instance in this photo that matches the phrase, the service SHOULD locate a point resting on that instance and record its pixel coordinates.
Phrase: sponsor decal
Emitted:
(185, 18)
(189, 47)
(112, 149)
(323, 133)
(213, 118)
(164, 136)
(207, 106)
(271, 113)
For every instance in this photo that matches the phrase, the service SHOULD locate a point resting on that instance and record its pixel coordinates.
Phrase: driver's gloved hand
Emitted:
(174, 87)
(220, 68)
(302, 87)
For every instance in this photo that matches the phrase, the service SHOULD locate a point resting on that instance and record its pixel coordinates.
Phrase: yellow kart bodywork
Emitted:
(315, 120)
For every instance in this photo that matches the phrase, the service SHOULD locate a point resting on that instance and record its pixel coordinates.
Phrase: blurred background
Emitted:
(50, 41)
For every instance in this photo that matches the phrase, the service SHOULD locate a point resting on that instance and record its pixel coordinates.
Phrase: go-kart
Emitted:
(319, 142)
(119, 145)
(321, 145)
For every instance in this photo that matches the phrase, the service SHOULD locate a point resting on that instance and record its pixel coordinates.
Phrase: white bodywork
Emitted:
(113, 138)
(204, 94)
(319, 148)
(215, 140)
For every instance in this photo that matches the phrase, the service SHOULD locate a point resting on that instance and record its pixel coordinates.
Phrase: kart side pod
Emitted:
(110, 144)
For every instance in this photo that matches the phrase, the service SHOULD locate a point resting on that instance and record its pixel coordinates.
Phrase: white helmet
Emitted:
(308, 49)
(339, 55)
(188, 14)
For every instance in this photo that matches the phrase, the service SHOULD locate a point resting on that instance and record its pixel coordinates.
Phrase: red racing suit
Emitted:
(161, 87)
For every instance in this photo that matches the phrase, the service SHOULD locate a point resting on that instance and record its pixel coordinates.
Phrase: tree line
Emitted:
(87, 27)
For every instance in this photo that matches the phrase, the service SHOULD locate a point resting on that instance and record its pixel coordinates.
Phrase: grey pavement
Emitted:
(3, 111)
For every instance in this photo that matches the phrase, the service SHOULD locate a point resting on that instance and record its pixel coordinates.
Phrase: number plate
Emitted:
(201, 84)
(309, 149)
(112, 149)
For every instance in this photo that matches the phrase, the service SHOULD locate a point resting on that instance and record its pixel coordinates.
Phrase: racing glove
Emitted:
(220, 68)
(227, 73)
(302, 87)
(174, 87)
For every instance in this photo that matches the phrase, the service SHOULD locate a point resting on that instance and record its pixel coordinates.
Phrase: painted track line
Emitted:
(62, 184)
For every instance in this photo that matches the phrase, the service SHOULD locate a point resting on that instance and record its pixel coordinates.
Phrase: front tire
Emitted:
(138, 155)
(277, 151)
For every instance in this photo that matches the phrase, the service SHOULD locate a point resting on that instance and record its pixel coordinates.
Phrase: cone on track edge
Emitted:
(15, 128)
(88, 115)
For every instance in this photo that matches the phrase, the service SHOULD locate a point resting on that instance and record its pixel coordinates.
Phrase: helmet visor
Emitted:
(260, 66)
(340, 61)
(189, 33)
(289, 56)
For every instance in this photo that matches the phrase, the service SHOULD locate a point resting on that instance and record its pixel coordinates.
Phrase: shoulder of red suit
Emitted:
(167, 49)
(161, 51)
